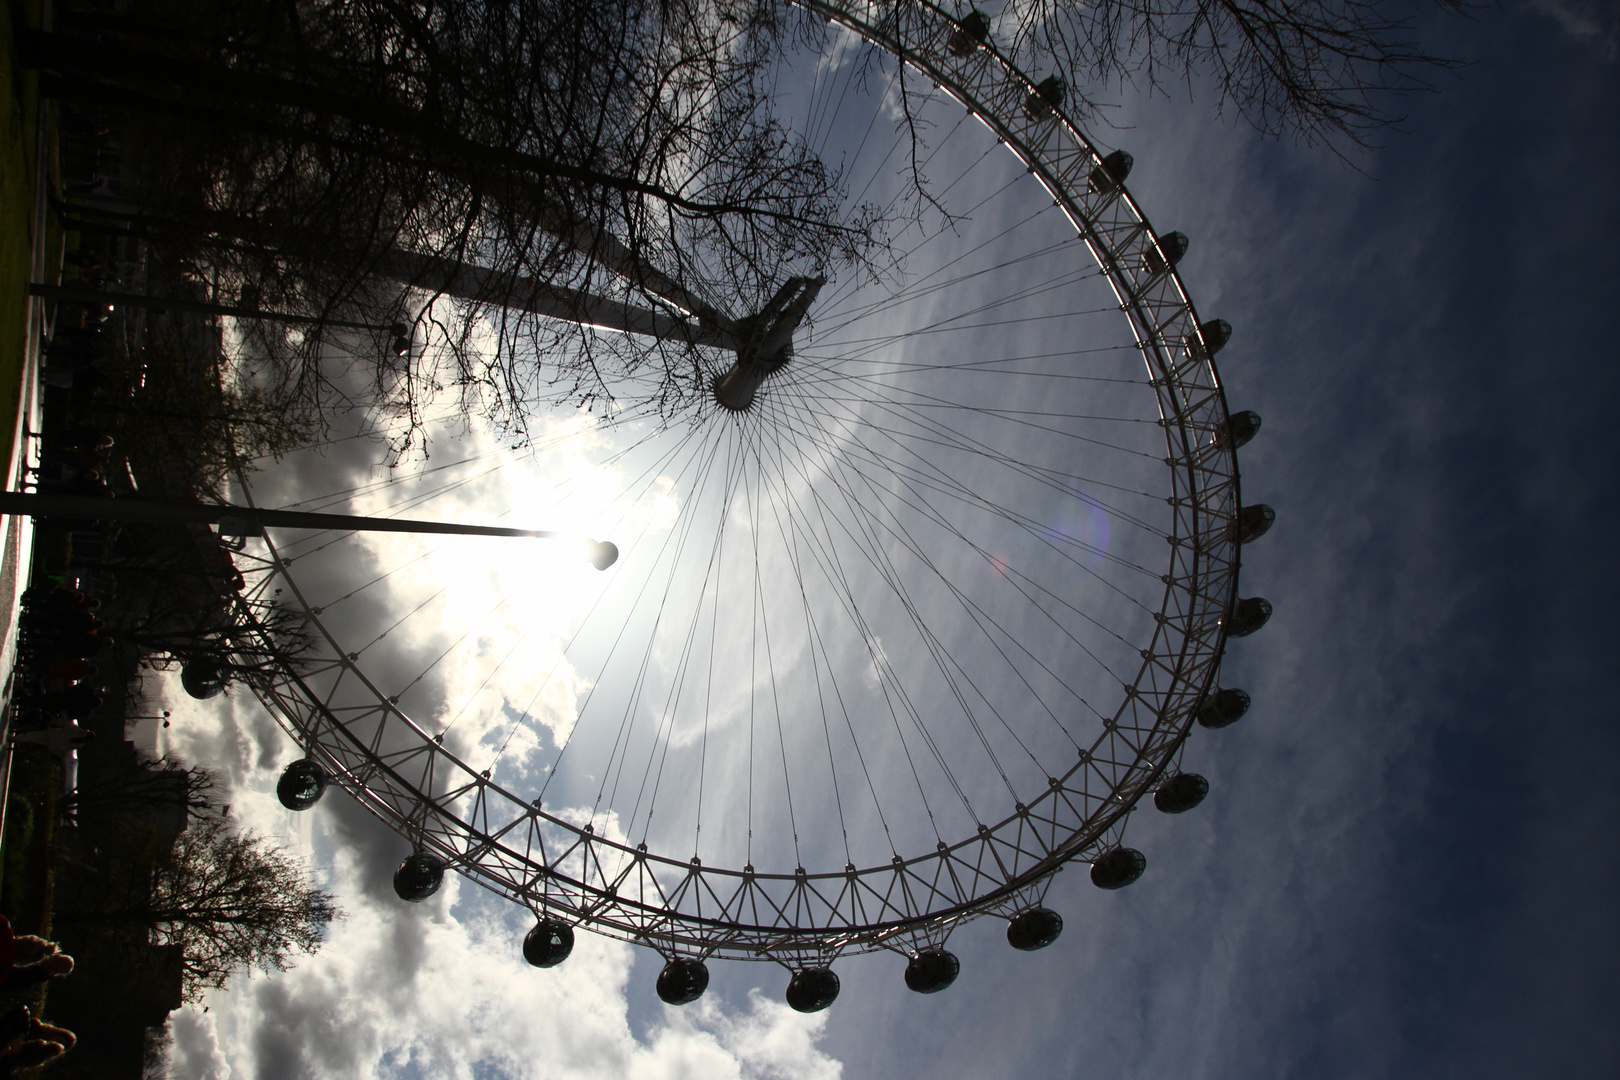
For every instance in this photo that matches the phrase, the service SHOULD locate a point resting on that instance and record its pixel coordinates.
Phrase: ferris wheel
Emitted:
(912, 607)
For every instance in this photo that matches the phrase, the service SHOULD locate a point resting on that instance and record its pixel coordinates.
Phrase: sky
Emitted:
(1402, 868)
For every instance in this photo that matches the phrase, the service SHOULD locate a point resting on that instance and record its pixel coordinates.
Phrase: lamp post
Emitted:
(252, 520)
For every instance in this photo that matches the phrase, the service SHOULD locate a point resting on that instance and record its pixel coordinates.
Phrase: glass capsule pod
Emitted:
(301, 785)
(1117, 868)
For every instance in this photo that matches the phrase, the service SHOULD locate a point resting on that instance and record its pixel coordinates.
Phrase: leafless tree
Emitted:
(382, 156)
(465, 170)
(275, 639)
(229, 899)
(1321, 71)
(137, 782)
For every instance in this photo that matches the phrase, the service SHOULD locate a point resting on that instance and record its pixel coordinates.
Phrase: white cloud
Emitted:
(441, 990)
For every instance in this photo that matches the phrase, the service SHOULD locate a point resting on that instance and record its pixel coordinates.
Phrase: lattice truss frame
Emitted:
(442, 804)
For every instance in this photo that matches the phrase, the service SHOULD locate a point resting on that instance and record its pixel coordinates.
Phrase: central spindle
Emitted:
(765, 343)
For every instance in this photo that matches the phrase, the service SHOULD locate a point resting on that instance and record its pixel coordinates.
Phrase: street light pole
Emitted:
(252, 520)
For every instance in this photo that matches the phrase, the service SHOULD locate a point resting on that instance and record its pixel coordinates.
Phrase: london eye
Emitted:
(916, 600)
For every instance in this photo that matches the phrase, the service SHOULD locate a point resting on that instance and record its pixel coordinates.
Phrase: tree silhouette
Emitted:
(230, 900)
(138, 782)
(466, 170)
(276, 638)
(1321, 71)
(379, 157)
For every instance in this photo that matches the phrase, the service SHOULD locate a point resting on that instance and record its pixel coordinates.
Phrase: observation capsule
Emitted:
(1049, 94)
(1165, 253)
(1239, 429)
(682, 981)
(418, 877)
(548, 943)
(1253, 522)
(1112, 171)
(1034, 928)
(1248, 615)
(302, 784)
(972, 31)
(202, 678)
(1209, 339)
(932, 970)
(1223, 707)
(1181, 793)
(812, 989)
(1117, 868)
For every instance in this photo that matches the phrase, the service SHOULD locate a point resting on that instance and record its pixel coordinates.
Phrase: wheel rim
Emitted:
(596, 870)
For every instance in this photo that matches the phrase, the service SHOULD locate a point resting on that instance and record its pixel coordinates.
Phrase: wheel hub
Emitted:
(766, 343)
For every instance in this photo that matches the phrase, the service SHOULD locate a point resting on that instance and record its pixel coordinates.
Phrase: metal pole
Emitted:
(251, 520)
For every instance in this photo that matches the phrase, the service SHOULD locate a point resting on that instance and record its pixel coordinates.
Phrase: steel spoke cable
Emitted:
(500, 603)
(493, 671)
(901, 412)
(821, 698)
(714, 625)
(814, 631)
(824, 351)
(754, 600)
(989, 559)
(679, 537)
(931, 283)
(702, 460)
(397, 623)
(1073, 436)
(852, 610)
(941, 655)
(926, 288)
(1031, 527)
(776, 701)
(678, 685)
(907, 191)
(639, 684)
(562, 655)
(888, 571)
(829, 110)
(932, 475)
(927, 238)
(976, 612)
(905, 367)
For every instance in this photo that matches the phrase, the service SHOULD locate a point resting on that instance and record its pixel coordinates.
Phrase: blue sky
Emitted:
(1404, 867)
